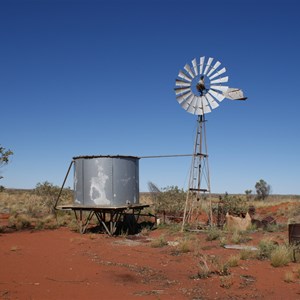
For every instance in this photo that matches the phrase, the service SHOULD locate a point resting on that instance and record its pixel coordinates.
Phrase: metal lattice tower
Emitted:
(199, 180)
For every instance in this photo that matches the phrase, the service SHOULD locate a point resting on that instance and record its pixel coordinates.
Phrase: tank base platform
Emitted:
(108, 216)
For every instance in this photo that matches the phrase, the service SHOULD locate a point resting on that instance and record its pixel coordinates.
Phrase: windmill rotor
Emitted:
(199, 87)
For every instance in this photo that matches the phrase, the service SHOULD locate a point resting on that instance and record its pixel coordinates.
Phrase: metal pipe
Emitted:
(170, 155)
(62, 187)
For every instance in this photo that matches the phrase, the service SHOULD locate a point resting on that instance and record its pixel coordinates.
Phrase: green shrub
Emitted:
(20, 222)
(49, 194)
(213, 233)
(236, 237)
(234, 205)
(266, 247)
(171, 200)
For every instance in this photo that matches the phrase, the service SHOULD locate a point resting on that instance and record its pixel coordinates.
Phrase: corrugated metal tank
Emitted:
(106, 180)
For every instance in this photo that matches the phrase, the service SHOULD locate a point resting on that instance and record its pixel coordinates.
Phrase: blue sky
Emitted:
(97, 78)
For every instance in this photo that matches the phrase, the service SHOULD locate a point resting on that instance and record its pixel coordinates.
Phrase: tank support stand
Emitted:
(108, 217)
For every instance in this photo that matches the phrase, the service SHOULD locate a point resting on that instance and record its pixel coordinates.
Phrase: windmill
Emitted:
(199, 89)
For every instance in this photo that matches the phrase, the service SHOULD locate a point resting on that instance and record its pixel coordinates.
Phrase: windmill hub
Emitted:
(201, 87)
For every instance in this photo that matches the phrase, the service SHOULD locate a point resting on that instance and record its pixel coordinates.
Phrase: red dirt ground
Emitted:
(62, 264)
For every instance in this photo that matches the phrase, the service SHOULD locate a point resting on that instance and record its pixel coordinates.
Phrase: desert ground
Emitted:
(157, 263)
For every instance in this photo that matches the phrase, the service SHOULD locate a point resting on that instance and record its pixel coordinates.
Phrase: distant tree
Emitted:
(49, 194)
(262, 189)
(4, 156)
(248, 194)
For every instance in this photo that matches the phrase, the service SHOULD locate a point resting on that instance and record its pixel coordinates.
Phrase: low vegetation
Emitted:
(169, 200)
(159, 242)
(34, 209)
(281, 256)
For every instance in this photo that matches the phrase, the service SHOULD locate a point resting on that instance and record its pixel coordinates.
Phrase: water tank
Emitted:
(106, 180)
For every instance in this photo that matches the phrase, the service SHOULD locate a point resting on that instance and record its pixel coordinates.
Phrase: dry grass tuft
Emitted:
(281, 256)
(213, 233)
(159, 242)
(204, 269)
(233, 261)
(184, 246)
(266, 247)
(247, 254)
(226, 282)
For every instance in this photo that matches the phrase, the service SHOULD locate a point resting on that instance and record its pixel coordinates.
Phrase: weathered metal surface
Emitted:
(235, 94)
(294, 234)
(106, 180)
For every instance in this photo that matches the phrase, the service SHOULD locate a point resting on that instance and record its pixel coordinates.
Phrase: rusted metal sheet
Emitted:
(294, 233)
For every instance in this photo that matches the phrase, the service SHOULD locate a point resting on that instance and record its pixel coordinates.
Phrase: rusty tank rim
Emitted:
(104, 156)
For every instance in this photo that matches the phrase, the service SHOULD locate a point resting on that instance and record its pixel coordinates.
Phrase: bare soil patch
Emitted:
(62, 264)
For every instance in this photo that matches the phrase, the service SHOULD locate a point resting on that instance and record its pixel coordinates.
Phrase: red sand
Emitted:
(61, 264)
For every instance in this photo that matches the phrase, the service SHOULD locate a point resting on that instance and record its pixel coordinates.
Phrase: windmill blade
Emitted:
(214, 68)
(182, 83)
(198, 102)
(191, 100)
(234, 94)
(205, 105)
(221, 88)
(189, 70)
(199, 107)
(192, 107)
(183, 97)
(223, 70)
(220, 80)
(216, 95)
(194, 62)
(186, 104)
(206, 109)
(182, 75)
(213, 104)
(181, 90)
(199, 111)
(201, 64)
(208, 65)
